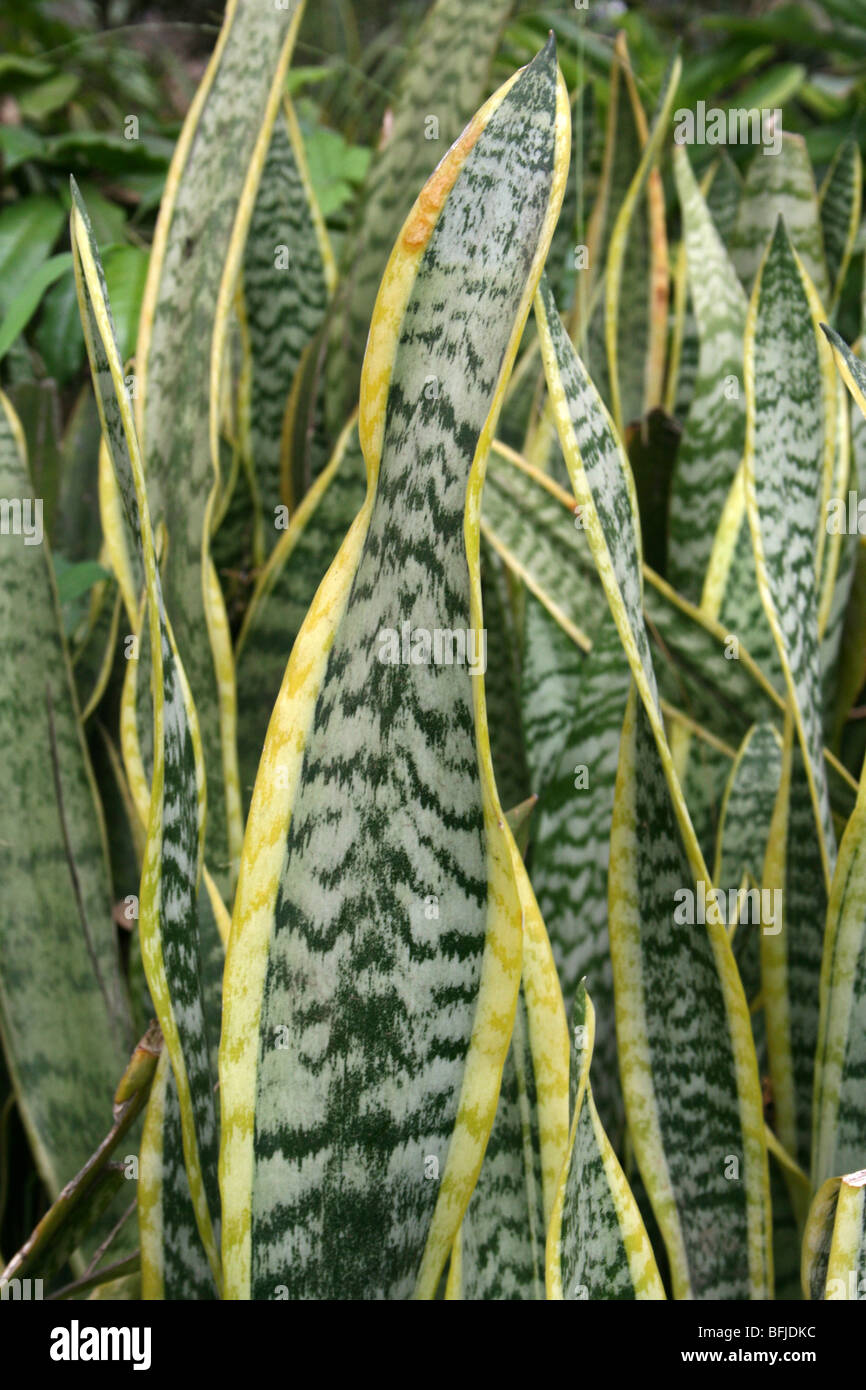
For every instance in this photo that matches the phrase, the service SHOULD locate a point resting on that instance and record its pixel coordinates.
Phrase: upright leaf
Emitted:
(168, 921)
(597, 1245)
(64, 1018)
(780, 185)
(442, 84)
(288, 276)
(712, 443)
(377, 867)
(192, 280)
(786, 479)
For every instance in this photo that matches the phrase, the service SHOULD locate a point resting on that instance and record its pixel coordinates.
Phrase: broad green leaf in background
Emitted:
(597, 1245)
(27, 300)
(375, 804)
(288, 276)
(192, 280)
(443, 82)
(783, 185)
(786, 482)
(834, 1242)
(66, 1028)
(171, 948)
(28, 231)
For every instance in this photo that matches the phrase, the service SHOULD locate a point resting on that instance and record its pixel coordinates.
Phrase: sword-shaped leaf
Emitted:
(550, 680)
(700, 1142)
(64, 1016)
(840, 201)
(789, 462)
(655, 966)
(839, 1136)
(571, 848)
(173, 1263)
(783, 185)
(712, 443)
(183, 335)
(615, 286)
(375, 954)
(168, 920)
(533, 527)
(288, 278)
(791, 954)
(499, 1253)
(597, 1245)
(744, 828)
(444, 81)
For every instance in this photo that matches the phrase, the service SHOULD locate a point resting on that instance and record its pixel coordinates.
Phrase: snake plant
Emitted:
(493, 900)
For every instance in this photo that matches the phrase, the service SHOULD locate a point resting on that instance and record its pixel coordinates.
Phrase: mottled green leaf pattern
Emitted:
(389, 823)
(784, 480)
(710, 1194)
(192, 280)
(171, 948)
(286, 277)
(64, 1017)
(780, 185)
(597, 1245)
(445, 78)
(712, 442)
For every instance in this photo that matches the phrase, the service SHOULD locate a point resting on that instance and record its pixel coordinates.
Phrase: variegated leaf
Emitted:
(700, 1146)
(617, 289)
(375, 805)
(744, 829)
(839, 1138)
(791, 953)
(840, 203)
(183, 337)
(283, 594)
(712, 443)
(789, 461)
(644, 939)
(570, 852)
(783, 185)
(444, 80)
(288, 277)
(168, 923)
(64, 1016)
(597, 1245)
